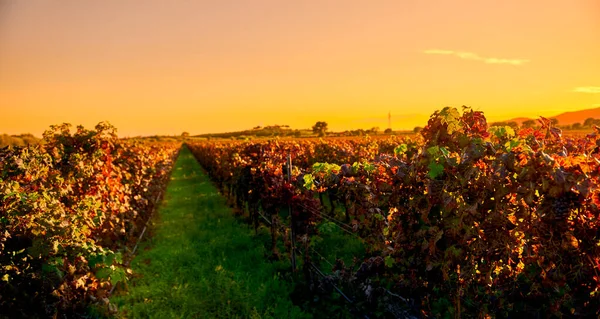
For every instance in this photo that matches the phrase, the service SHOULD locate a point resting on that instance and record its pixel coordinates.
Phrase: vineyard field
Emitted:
(462, 220)
(300, 159)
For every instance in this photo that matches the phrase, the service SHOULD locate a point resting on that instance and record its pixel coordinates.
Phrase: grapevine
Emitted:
(467, 220)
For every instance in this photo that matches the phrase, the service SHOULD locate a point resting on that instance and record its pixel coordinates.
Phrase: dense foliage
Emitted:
(463, 220)
(69, 208)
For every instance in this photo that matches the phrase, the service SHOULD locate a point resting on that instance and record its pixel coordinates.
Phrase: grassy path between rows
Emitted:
(201, 262)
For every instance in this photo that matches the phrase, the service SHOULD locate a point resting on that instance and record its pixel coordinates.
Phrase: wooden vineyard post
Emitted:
(292, 226)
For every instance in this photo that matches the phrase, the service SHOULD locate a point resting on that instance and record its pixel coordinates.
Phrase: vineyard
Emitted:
(71, 210)
(461, 221)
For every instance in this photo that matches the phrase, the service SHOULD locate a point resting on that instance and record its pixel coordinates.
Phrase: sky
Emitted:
(165, 67)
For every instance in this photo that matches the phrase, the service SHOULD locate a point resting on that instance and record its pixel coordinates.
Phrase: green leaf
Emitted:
(451, 116)
(444, 151)
(309, 181)
(434, 151)
(389, 261)
(503, 131)
(59, 261)
(9, 195)
(48, 269)
(511, 144)
(103, 273)
(314, 240)
(325, 168)
(117, 276)
(119, 257)
(318, 167)
(435, 170)
(400, 149)
(369, 167)
(109, 258)
(453, 127)
(327, 228)
(333, 168)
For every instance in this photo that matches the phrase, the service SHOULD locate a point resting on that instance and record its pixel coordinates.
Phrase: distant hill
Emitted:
(578, 116)
(567, 118)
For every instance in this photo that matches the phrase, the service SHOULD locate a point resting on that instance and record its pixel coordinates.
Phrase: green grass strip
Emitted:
(201, 262)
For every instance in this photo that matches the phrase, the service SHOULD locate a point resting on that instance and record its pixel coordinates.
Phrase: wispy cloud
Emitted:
(587, 89)
(434, 51)
(476, 57)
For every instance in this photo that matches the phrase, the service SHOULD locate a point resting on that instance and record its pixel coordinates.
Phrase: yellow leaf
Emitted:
(512, 219)
(573, 241)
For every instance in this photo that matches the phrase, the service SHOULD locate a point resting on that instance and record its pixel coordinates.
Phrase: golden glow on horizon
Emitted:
(153, 68)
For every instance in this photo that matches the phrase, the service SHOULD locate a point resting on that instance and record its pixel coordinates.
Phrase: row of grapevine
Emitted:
(70, 209)
(464, 220)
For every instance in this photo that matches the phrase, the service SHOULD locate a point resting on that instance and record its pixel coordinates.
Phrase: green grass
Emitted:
(333, 243)
(201, 262)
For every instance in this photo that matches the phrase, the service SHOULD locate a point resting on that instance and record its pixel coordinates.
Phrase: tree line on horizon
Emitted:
(320, 129)
(18, 140)
(588, 123)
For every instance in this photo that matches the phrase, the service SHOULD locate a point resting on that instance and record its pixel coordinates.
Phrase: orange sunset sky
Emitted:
(164, 67)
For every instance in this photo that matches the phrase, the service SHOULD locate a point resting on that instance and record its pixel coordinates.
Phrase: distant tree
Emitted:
(589, 122)
(4, 140)
(359, 132)
(185, 134)
(18, 140)
(417, 129)
(388, 131)
(320, 128)
(576, 126)
(29, 139)
(554, 121)
(528, 123)
(374, 130)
